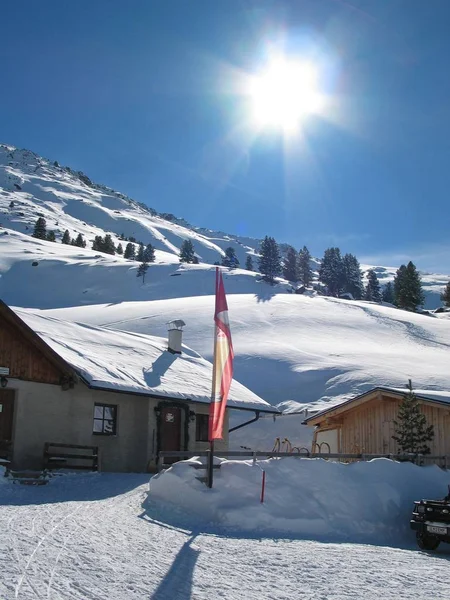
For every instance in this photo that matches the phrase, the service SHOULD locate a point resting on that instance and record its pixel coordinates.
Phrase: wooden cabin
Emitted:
(365, 424)
(130, 395)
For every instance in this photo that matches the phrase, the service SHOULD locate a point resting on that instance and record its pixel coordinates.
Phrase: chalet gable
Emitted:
(378, 393)
(27, 356)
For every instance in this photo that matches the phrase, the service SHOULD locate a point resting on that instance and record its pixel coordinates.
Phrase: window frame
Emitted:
(114, 408)
(200, 420)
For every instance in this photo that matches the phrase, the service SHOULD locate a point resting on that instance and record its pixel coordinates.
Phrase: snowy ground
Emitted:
(97, 538)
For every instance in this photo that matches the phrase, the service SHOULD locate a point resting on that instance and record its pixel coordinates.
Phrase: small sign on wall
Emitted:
(4, 370)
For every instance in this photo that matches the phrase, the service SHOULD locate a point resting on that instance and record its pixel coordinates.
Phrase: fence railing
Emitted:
(442, 461)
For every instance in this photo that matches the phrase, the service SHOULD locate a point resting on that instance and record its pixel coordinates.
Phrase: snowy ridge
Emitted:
(31, 186)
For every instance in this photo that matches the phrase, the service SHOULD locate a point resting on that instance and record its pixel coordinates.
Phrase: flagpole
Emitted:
(210, 469)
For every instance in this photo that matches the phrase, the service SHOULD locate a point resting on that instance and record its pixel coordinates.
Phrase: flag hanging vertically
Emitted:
(223, 362)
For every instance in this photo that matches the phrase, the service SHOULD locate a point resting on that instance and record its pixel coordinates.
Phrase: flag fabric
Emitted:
(223, 362)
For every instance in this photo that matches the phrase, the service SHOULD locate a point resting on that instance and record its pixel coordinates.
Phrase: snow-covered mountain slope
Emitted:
(296, 348)
(31, 186)
(298, 352)
(37, 273)
(294, 351)
(69, 200)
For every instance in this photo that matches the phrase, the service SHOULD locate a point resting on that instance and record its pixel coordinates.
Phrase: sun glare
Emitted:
(284, 94)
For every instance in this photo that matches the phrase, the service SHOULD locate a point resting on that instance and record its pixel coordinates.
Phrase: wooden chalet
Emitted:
(129, 395)
(365, 424)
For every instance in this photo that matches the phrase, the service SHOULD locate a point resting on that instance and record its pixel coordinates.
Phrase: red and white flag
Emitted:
(223, 362)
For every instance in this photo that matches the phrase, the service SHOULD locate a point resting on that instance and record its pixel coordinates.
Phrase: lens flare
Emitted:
(284, 94)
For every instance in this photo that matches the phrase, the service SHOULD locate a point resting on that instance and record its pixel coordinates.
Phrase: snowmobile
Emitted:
(431, 522)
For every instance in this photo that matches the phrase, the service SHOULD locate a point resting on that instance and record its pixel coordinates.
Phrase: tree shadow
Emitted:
(265, 293)
(177, 582)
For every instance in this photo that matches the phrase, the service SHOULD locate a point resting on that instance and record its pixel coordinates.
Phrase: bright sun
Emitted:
(284, 94)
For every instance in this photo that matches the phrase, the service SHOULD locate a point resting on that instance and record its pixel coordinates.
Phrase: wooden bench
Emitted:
(70, 456)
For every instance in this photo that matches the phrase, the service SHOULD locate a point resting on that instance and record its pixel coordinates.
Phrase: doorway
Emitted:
(6, 423)
(6, 415)
(172, 434)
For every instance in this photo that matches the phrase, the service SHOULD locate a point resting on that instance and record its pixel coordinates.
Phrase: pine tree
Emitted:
(130, 252)
(97, 244)
(388, 293)
(149, 254)
(51, 237)
(249, 263)
(140, 252)
(66, 237)
(269, 260)
(445, 296)
(11, 204)
(416, 297)
(40, 229)
(352, 276)
(290, 265)
(331, 271)
(230, 259)
(119, 249)
(408, 288)
(80, 242)
(187, 252)
(142, 270)
(108, 245)
(305, 273)
(373, 292)
(411, 430)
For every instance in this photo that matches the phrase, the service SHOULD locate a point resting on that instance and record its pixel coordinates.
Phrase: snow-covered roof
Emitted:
(439, 396)
(137, 363)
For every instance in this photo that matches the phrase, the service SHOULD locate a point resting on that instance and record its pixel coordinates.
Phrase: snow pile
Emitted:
(309, 498)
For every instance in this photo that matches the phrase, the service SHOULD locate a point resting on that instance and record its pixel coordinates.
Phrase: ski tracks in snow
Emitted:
(108, 549)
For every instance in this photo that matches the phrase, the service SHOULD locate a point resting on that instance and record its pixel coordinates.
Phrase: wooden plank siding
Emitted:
(23, 359)
(368, 428)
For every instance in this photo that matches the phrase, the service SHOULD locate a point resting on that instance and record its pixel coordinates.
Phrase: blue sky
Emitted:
(141, 96)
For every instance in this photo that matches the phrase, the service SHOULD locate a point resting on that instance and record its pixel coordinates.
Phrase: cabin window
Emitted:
(201, 428)
(105, 419)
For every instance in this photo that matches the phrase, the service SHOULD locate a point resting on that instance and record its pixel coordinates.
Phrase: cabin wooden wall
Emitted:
(369, 428)
(23, 359)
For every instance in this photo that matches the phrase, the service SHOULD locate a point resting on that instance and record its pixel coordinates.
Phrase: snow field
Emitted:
(99, 538)
(364, 502)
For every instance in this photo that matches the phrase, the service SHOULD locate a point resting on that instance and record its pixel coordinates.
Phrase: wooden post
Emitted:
(263, 486)
(211, 463)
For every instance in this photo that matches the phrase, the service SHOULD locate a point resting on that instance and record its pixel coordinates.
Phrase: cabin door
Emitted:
(170, 429)
(6, 415)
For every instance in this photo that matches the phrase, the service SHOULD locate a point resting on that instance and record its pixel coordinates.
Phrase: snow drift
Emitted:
(308, 498)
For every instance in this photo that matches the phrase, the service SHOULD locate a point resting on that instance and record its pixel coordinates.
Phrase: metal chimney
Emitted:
(175, 329)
